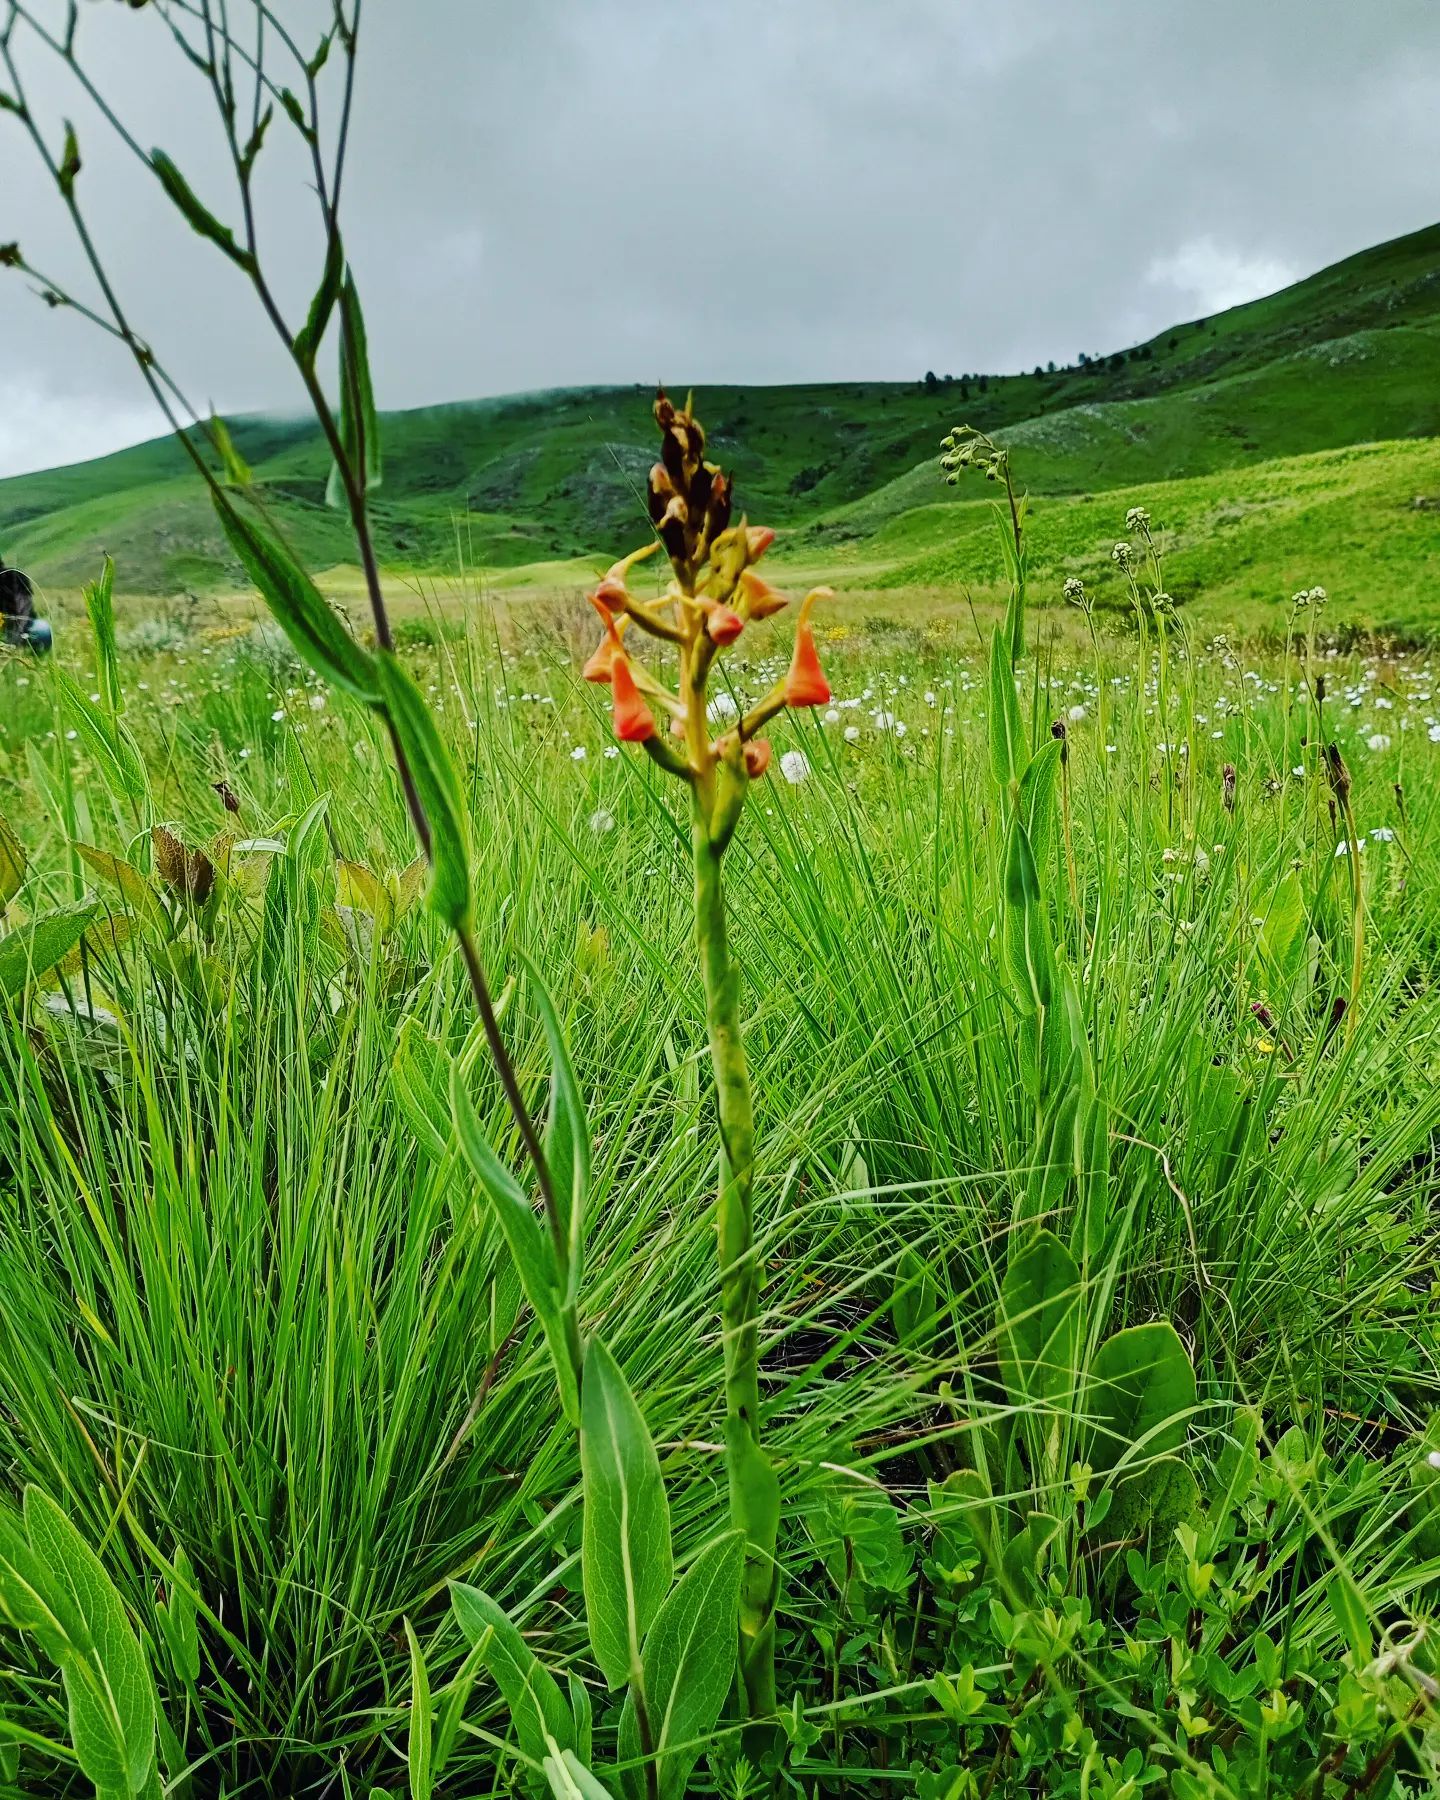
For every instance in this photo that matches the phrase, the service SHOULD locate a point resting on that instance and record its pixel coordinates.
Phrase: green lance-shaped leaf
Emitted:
(107, 1681)
(298, 605)
(29, 1599)
(1008, 751)
(1140, 1394)
(625, 1557)
(570, 1780)
(420, 1077)
(538, 1710)
(237, 471)
(108, 743)
(33, 951)
(100, 608)
(530, 1246)
(359, 421)
(437, 786)
(689, 1666)
(1030, 952)
(198, 216)
(567, 1135)
(178, 1620)
(1014, 559)
(1039, 1320)
(13, 863)
(420, 1748)
(1038, 788)
(322, 307)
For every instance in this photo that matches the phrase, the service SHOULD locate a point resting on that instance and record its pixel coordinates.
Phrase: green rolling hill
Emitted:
(1214, 407)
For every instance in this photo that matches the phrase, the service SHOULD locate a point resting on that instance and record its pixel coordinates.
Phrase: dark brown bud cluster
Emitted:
(1339, 775)
(188, 873)
(689, 498)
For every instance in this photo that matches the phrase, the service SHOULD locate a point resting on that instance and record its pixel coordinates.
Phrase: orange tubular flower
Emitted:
(806, 685)
(723, 624)
(761, 600)
(759, 538)
(602, 660)
(633, 720)
(757, 757)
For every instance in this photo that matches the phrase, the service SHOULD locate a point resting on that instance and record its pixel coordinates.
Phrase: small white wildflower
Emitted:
(1343, 847)
(885, 721)
(72, 735)
(578, 754)
(1378, 740)
(832, 716)
(612, 750)
(852, 734)
(317, 703)
(795, 766)
(246, 751)
(1434, 734)
(1382, 834)
(1075, 714)
(602, 821)
(277, 715)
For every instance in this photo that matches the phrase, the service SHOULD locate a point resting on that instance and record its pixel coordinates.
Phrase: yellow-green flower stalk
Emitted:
(713, 594)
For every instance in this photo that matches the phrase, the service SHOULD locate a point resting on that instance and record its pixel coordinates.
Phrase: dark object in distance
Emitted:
(18, 624)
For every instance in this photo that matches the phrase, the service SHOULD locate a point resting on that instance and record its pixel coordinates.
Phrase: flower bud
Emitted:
(633, 721)
(759, 538)
(757, 757)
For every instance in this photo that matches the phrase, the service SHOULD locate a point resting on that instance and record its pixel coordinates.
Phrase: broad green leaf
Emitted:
(298, 605)
(1008, 753)
(1038, 786)
(422, 1719)
(530, 1246)
(1029, 950)
(538, 1710)
(1140, 1394)
(570, 1780)
(177, 1620)
(100, 607)
(1281, 932)
(690, 1660)
(359, 421)
(625, 1559)
(200, 219)
(139, 896)
(567, 1135)
(12, 864)
(1039, 1321)
(109, 1687)
(420, 1073)
(29, 1599)
(362, 889)
(36, 948)
(437, 786)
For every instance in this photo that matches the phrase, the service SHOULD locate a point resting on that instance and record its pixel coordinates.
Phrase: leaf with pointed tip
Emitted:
(422, 1719)
(570, 1780)
(1008, 754)
(1140, 1394)
(530, 1247)
(196, 215)
(625, 1556)
(537, 1707)
(567, 1134)
(359, 420)
(437, 785)
(100, 608)
(298, 605)
(108, 742)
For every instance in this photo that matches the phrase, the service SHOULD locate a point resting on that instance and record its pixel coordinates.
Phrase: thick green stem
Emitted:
(754, 1490)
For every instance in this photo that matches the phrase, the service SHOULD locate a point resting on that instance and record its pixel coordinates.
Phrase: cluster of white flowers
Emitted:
(1074, 590)
(1121, 553)
(1137, 519)
(1313, 596)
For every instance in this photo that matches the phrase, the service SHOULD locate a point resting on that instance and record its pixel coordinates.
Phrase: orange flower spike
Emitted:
(634, 723)
(760, 599)
(757, 757)
(806, 685)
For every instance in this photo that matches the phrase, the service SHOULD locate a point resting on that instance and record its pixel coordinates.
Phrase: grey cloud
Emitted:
(556, 191)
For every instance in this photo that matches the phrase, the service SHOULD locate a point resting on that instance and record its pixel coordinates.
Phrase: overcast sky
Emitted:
(546, 192)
